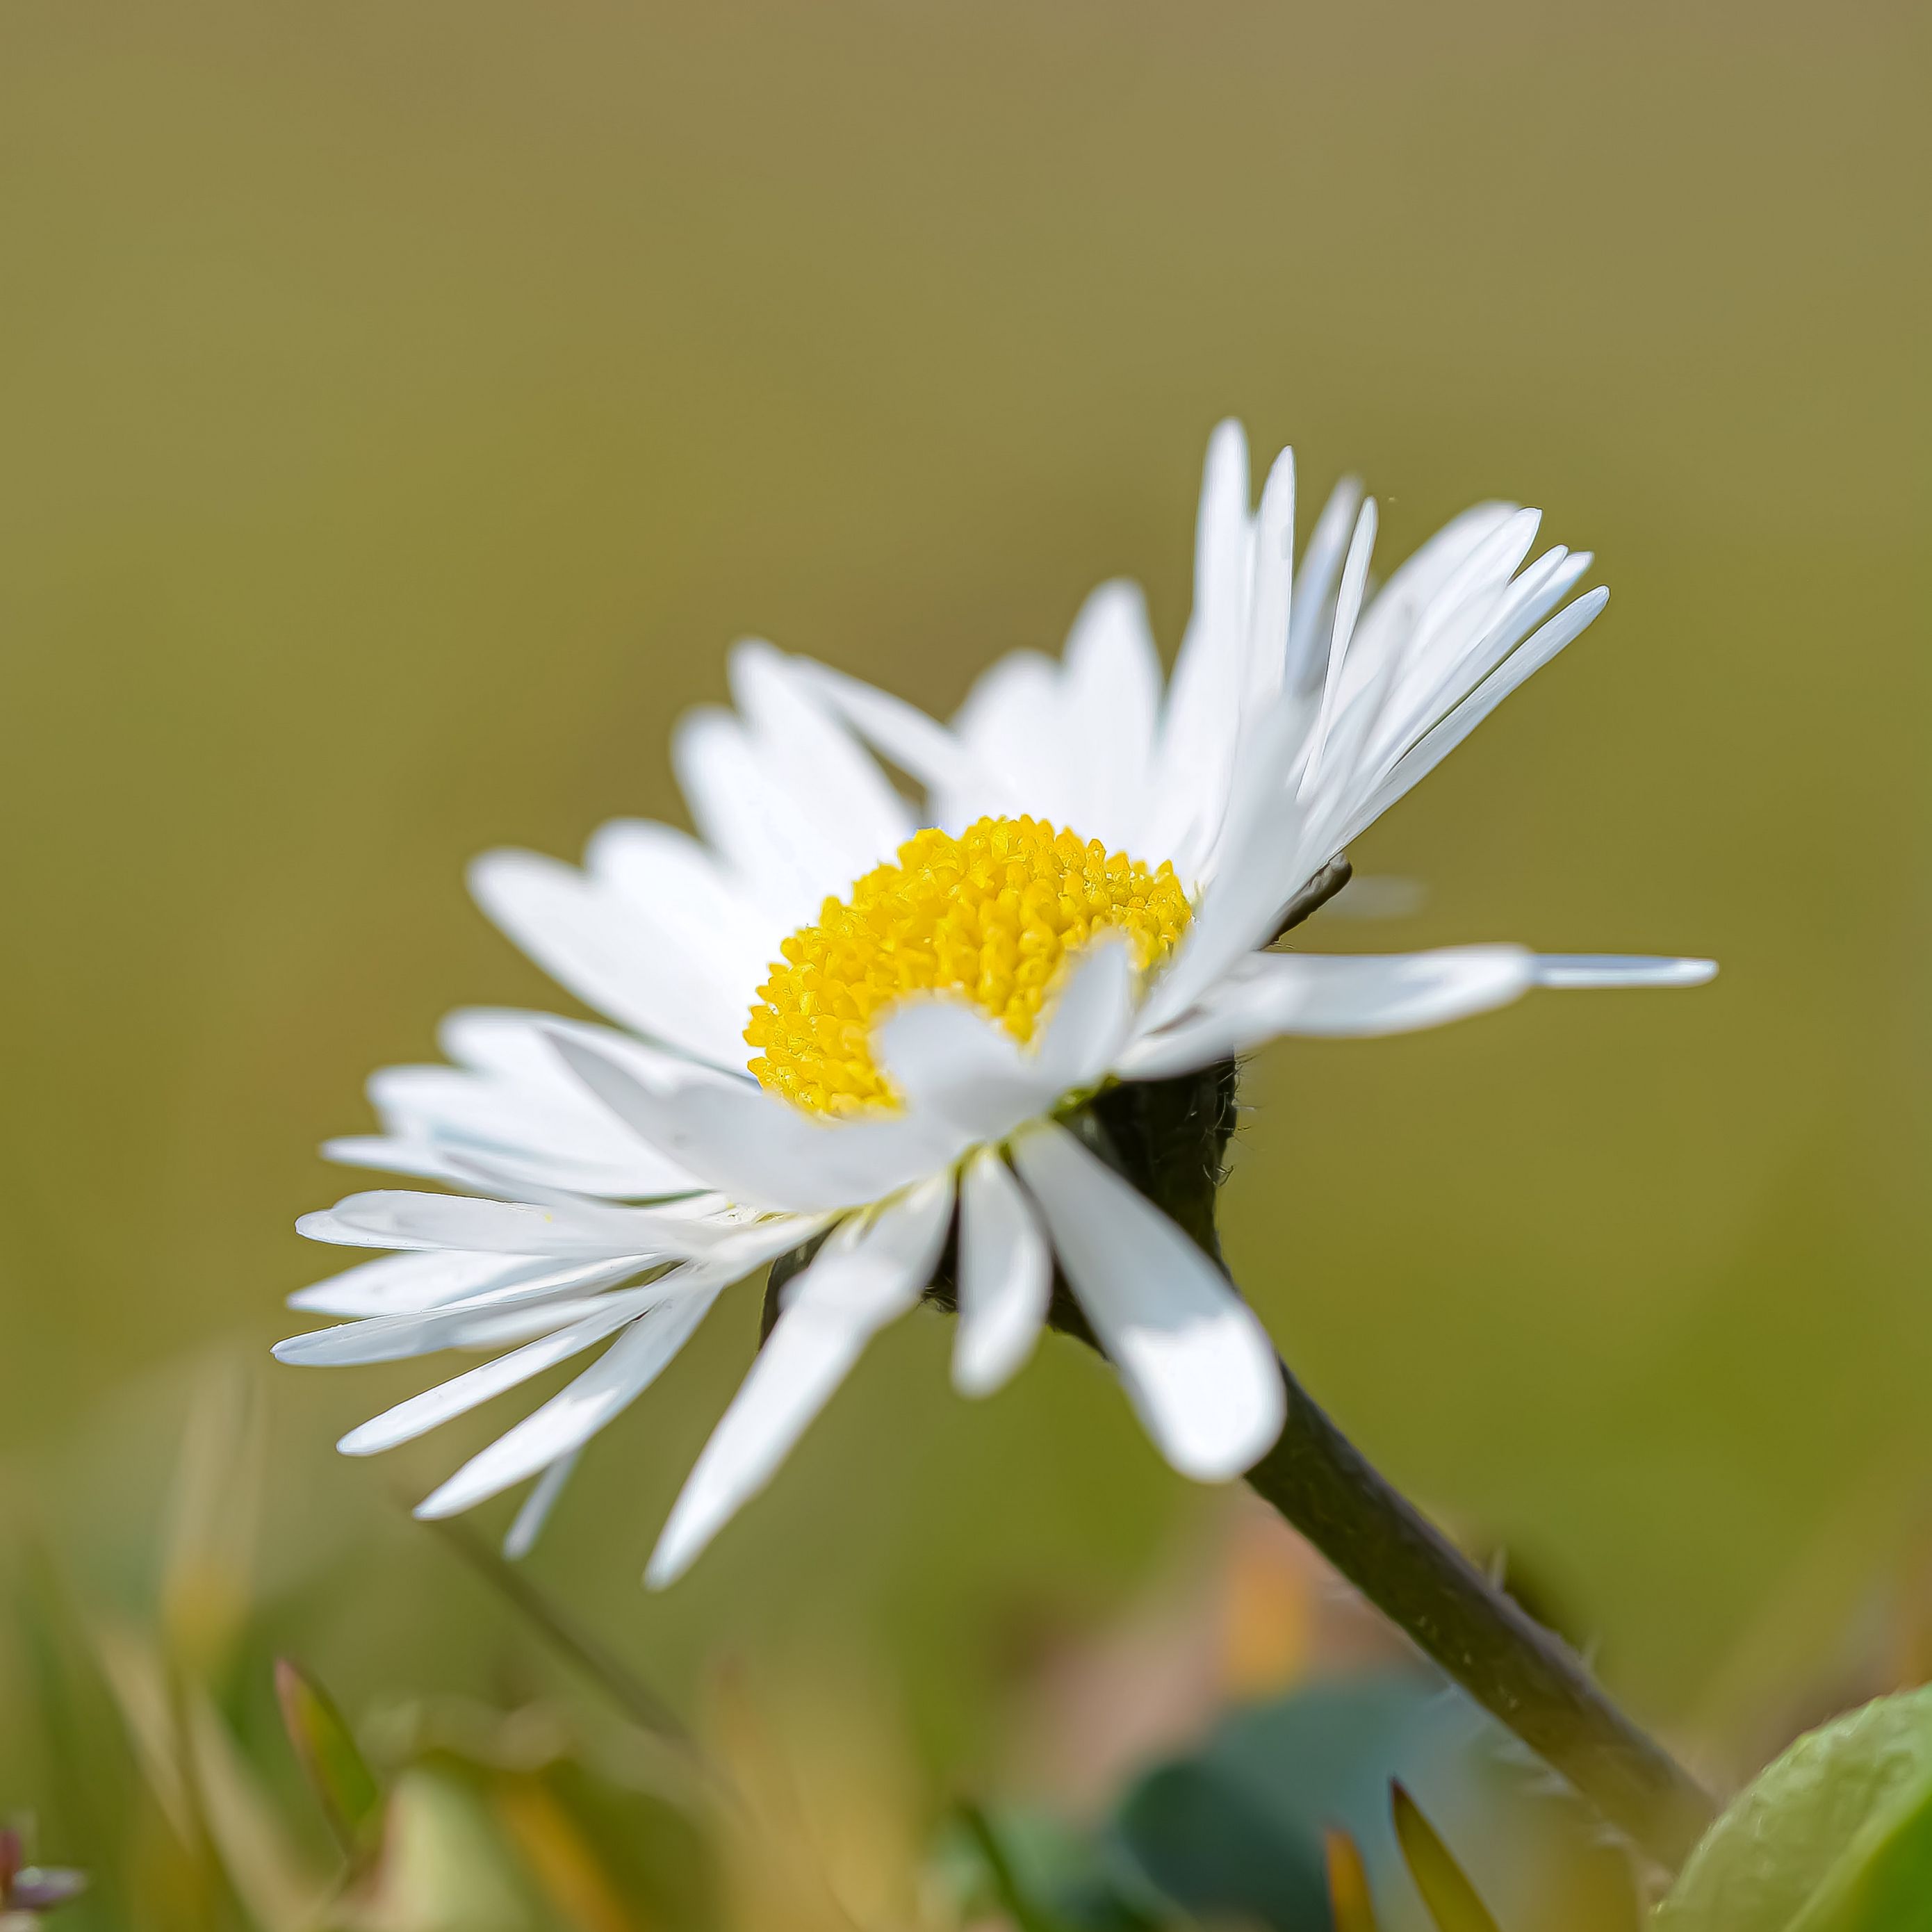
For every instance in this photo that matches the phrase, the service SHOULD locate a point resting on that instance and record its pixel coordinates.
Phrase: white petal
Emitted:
(860, 1281)
(555, 1133)
(760, 1149)
(538, 1505)
(1437, 744)
(1270, 848)
(1311, 623)
(1203, 718)
(827, 776)
(391, 1218)
(1269, 601)
(1440, 677)
(908, 738)
(492, 1318)
(571, 1417)
(1347, 608)
(743, 811)
(1015, 723)
(1084, 1029)
(950, 1061)
(1569, 970)
(530, 1177)
(513, 1045)
(1006, 1277)
(948, 1058)
(409, 1283)
(662, 981)
(1333, 995)
(677, 884)
(436, 1406)
(1198, 1366)
(1392, 618)
(682, 1230)
(1457, 604)
(1111, 702)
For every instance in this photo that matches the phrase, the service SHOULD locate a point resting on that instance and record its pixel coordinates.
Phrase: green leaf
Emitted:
(351, 1799)
(1451, 1899)
(1835, 1836)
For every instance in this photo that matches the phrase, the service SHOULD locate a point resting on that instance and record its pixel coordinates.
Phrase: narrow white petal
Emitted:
(571, 1417)
(760, 1149)
(513, 1045)
(1333, 995)
(1201, 725)
(611, 954)
(1269, 600)
(391, 1218)
(1311, 622)
(533, 1303)
(948, 1058)
(1579, 970)
(1111, 701)
(554, 1130)
(861, 1280)
(950, 1061)
(409, 1283)
(1006, 1277)
(1394, 615)
(905, 736)
(1015, 722)
(535, 1178)
(1436, 744)
(827, 777)
(1347, 608)
(433, 1407)
(1438, 680)
(1088, 1023)
(679, 884)
(1198, 1366)
(400, 1338)
(538, 1505)
(1269, 849)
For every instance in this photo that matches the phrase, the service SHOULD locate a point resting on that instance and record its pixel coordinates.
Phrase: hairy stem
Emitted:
(1169, 1137)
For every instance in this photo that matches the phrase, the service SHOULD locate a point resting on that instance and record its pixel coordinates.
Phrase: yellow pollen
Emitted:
(993, 915)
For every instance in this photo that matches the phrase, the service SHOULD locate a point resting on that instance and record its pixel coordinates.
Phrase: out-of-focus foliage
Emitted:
(1835, 1836)
(1237, 1828)
(1243, 1829)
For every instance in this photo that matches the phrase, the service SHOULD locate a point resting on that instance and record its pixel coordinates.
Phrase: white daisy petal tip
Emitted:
(1578, 971)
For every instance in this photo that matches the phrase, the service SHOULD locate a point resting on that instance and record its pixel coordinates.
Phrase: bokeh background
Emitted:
(402, 406)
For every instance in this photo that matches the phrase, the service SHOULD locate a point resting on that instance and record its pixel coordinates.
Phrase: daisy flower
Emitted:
(866, 1014)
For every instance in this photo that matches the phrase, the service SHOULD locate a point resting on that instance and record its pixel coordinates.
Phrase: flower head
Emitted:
(841, 1018)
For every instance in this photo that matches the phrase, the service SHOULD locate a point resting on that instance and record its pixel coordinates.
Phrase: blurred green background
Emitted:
(402, 406)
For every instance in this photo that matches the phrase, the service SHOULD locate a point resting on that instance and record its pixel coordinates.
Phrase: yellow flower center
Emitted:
(993, 915)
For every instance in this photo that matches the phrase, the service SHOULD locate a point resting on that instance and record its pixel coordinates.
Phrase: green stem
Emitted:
(1522, 1674)
(1168, 1138)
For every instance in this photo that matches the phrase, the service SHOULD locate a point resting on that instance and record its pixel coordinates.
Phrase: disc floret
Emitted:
(992, 916)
